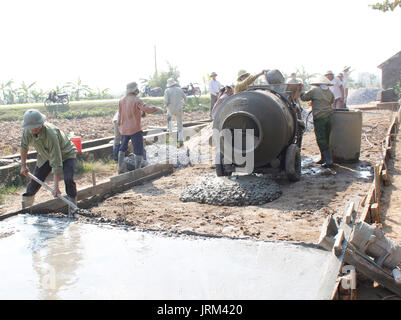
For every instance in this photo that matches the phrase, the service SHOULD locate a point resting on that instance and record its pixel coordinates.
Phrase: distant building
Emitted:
(391, 74)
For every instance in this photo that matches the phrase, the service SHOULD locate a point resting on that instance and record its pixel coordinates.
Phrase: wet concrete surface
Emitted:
(47, 258)
(360, 170)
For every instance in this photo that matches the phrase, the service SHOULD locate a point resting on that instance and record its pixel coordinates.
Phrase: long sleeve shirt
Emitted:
(214, 87)
(174, 99)
(51, 144)
(321, 101)
(130, 109)
(243, 85)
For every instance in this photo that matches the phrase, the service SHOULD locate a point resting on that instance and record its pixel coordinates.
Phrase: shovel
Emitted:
(72, 205)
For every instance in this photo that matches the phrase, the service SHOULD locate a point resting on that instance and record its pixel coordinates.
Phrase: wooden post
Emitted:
(375, 213)
(93, 178)
(377, 184)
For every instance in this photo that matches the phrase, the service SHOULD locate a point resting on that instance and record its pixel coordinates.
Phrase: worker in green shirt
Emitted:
(322, 99)
(244, 80)
(56, 154)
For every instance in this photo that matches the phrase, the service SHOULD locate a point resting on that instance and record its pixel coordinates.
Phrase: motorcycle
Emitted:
(192, 90)
(57, 98)
(155, 92)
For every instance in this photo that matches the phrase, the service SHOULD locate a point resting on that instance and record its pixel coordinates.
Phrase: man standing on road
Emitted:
(244, 80)
(56, 154)
(322, 99)
(130, 109)
(337, 89)
(174, 100)
(214, 88)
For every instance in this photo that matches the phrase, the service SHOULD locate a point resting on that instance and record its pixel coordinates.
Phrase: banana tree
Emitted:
(38, 96)
(24, 92)
(78, 90)
(8, 92)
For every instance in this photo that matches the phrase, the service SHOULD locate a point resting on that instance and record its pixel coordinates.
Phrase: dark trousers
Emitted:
(42, 172)
(213, 100)
(322, 132)
(137, 143)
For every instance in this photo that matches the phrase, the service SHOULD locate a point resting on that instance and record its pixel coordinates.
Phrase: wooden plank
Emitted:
(365, 215)
(386, 178)
(377, 183)
(370, 269)
(375, 212)
(100, 189)
(349, 213)
(137, 174)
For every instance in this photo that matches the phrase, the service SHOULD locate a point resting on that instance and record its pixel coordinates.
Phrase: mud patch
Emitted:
(232, 191)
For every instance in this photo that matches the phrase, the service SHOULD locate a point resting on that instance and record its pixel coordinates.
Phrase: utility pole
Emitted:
(155, 62)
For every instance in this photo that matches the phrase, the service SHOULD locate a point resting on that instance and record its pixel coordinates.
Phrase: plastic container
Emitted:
(345, 138)
(77, 142)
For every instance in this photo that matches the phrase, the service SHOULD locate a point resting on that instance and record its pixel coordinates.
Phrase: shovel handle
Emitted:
(61, 197)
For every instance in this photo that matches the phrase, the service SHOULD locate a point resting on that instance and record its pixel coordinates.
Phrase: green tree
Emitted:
(77, 90)
(305, 77)
(24, 92)
(38, 96)
(386, 5)
(9, 94)
(160, 79)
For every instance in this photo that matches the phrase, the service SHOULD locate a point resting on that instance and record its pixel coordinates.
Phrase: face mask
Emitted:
(324, 87)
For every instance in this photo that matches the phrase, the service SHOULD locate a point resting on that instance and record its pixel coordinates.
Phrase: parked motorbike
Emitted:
(57, 98)
(155, 92)
(192, 90)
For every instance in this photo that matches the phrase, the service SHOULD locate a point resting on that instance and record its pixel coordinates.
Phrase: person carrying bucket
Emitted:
(56, 154)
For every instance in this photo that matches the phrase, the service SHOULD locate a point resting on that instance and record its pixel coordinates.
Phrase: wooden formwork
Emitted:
(369, 212)
(100, 190)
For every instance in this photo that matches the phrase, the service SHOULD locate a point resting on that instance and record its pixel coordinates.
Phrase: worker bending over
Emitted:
(56, 154)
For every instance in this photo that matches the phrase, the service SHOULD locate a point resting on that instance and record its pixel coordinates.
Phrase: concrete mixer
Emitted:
(258, 131)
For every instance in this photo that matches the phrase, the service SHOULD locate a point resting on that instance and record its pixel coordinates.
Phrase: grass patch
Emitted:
(92, 108)
(7, 190)
(99, 166)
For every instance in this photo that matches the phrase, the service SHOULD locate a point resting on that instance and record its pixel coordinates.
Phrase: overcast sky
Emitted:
(110, 43)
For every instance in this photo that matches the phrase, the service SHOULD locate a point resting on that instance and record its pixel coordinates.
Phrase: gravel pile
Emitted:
(232, 191)
(363, 96)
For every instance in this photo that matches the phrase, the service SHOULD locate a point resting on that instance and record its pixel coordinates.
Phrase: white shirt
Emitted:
(345, 79)
(115, 118)
(214, 87)
(335, 88)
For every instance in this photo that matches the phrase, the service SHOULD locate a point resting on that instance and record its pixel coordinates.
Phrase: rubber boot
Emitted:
(328, 159)
(122, 167)
(322, 158)
(138, 161)
(27, 201)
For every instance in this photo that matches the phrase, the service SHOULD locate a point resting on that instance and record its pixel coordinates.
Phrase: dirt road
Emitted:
(297, 215)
